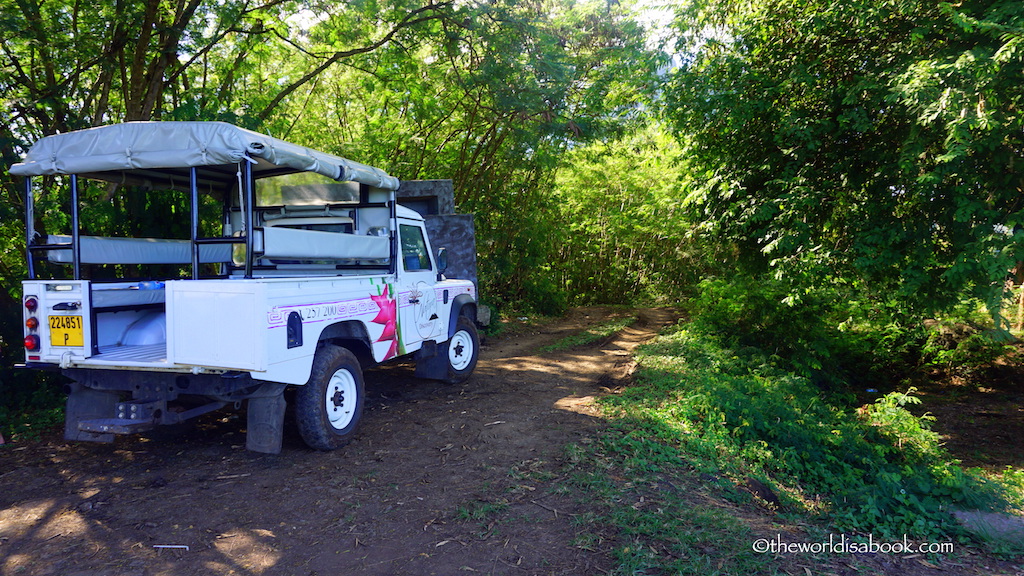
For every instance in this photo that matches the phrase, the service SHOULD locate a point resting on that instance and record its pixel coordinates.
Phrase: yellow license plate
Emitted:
(66, 331)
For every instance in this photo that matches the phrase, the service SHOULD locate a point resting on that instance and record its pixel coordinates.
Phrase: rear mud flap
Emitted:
(265, 420)
(87, 404)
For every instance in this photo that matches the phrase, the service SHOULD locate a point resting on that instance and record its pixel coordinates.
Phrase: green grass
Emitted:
(648, 509)
(481, 511)
(590, 335)
(877, 469)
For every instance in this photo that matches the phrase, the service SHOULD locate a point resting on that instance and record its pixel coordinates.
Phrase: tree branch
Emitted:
(411, 19)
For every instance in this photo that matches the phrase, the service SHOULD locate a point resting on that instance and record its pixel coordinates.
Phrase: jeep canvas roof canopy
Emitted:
(166, 147)
(189, 156)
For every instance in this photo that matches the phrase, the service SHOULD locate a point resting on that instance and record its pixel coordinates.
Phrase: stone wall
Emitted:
(435, 200)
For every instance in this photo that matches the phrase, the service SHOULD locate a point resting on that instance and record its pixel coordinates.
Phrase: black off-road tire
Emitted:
(462, 351)
(329, 407)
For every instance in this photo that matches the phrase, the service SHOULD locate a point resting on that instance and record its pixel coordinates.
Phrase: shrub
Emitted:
(819, 333)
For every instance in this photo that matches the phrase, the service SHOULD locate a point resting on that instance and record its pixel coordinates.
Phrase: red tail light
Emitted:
(31, 304)
(32, 342)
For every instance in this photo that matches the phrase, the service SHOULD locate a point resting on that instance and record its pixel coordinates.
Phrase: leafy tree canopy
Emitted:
(491, 97)
(874, 143)
(488, 94)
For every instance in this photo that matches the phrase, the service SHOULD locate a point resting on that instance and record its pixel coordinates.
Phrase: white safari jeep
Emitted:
(295, 269)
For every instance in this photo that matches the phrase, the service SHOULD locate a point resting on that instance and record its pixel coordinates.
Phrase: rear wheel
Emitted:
(462, 351)
(329, 407)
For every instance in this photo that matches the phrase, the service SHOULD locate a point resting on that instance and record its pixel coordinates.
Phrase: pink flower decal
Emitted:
(393, 349)
(388, 308)
(388, 316)
(389, 332)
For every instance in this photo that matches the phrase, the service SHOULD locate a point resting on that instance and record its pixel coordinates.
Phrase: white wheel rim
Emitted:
(460, 350)
(340, 399)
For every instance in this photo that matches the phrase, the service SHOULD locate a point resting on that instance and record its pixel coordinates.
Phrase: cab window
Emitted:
(414, 248)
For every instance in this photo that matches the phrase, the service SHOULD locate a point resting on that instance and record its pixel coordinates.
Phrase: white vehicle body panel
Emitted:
(229, 325)
(216, 324)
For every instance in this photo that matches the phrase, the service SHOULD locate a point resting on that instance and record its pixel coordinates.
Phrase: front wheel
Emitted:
(462, 351)
(329, 407)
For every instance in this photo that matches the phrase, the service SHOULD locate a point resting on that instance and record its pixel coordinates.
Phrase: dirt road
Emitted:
(441, 480)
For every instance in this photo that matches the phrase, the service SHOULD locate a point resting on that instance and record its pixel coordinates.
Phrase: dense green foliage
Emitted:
(489, 95)
(870, 144)
(623, 230)
(492, 99)
(823, 334)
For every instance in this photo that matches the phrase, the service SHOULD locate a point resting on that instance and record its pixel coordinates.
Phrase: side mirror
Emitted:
(442, 261)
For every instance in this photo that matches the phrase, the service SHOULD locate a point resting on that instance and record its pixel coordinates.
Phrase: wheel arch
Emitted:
(351, 335)
(462, 305)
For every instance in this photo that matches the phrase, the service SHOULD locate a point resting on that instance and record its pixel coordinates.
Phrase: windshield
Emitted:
(304, 189)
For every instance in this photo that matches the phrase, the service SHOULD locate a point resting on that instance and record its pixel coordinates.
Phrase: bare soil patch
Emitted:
(980, 415)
